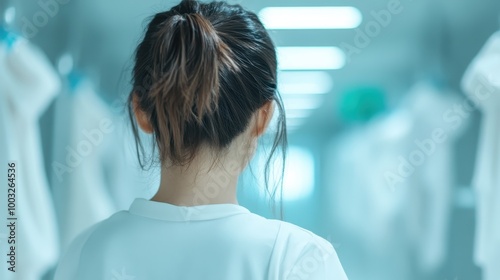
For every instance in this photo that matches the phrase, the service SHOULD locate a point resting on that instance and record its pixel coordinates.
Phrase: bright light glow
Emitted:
(298, 180)
(294, 124)
(304, 82)
(310, 17)
(298, 114)
(294, 119)
(302, 103)
(9, 15)
(310, 58)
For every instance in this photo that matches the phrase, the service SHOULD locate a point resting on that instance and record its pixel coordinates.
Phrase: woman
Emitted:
(205, 89)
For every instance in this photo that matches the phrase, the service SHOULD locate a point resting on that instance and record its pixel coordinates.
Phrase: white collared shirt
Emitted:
(154, 240)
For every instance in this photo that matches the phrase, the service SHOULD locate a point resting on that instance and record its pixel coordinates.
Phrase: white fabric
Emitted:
(395, 212)
(81, 138)
(368, 209)
(156, 240)
(433, 181)
(364, 203)
(95, 170)
(28, 84)
(482, 84)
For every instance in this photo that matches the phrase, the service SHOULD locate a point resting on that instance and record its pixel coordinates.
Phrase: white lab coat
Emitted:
(28, 84)
(154, 240)
(385, 210)
(364, 205)
(82, 129)
(481, 83)
(431, 189)
(102, 175)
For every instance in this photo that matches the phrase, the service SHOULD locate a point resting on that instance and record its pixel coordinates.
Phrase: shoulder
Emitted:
(301, 254)
(68, 264)
(298, 236)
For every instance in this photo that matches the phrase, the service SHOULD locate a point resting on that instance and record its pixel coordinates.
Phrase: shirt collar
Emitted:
(169, 212)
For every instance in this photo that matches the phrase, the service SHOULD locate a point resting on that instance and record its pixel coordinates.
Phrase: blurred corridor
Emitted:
(392, 152)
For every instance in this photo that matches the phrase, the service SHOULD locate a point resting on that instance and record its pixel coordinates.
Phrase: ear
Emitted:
(141, 116)
(264, 116)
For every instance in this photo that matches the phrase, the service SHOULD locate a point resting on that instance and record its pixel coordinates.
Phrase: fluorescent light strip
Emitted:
(310, 17)
(298, 114)
(297, 110)
(304, 82)
(305, 103)
(293, 124)
(310, 58)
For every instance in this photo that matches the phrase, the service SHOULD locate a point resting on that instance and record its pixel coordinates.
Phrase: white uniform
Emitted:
(82, 134)
(28, 84)
(386, 210)
(95, 170)
(432, 182)
(154, 240)
(482, 84)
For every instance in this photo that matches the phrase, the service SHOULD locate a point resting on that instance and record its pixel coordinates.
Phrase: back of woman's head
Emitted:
(201, 72)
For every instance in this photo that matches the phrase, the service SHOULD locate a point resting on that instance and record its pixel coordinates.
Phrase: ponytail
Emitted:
(201, 72)
(189, 56)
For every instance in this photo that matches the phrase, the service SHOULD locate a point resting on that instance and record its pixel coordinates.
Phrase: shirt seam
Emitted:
(298, 260)
(77, 270)
(274, 247)
(184, 221)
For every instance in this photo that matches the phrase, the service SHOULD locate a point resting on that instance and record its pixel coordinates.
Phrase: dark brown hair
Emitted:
(200, 73)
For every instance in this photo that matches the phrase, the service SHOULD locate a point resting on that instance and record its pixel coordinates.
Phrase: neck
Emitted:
(199, 183)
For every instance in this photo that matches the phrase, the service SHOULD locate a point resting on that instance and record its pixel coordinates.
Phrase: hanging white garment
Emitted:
(435, 130)
(83, 125)
(28, 84)
(481, 83)
(388, 193)
(368, 206)
(95, 170)
(374, 204)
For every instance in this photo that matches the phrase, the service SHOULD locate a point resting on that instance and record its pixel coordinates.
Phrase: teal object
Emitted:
(7, 37)
(74, 80)
(360, 104)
